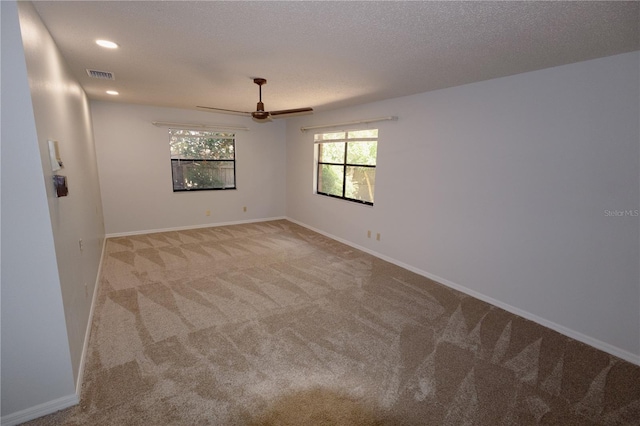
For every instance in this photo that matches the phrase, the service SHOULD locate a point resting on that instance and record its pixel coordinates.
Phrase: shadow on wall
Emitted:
(319, 406)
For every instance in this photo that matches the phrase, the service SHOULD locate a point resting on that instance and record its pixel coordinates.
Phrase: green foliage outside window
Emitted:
(346, 164)
(202, 159)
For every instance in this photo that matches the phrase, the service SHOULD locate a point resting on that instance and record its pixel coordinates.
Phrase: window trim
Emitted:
(227, 135)
(319, 163)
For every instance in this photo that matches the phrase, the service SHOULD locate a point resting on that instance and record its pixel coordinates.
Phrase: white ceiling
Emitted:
(323, 54)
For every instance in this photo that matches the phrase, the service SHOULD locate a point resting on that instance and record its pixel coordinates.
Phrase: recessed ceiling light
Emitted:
(106, 43)
(112, 92)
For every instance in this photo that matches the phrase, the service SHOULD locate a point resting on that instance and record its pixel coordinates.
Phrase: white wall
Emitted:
(48, 283)
(36, 362)
(135, 170)
(501, 188)
(61, 111)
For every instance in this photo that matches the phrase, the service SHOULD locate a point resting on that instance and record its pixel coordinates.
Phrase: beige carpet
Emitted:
(270, 323)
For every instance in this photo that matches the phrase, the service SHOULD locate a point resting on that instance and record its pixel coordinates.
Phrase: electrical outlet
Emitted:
(244, 209)
(81, 245)
(368, 234)
(378, 236)
(207, 213)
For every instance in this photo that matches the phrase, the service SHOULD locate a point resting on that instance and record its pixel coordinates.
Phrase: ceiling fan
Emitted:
(260, 114)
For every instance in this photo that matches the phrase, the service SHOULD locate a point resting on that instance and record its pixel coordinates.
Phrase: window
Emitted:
(346, 166)
(202, 160)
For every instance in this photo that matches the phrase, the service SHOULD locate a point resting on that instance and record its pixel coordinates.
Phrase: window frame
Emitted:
(345, 164)
(208, 134)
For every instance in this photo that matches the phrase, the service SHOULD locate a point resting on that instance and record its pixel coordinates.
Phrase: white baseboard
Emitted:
(184, 228)
(70, 400)
(40, 410)
(87, 334)
(598, 344)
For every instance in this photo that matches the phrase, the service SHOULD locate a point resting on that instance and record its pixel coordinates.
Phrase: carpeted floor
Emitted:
(272, 324)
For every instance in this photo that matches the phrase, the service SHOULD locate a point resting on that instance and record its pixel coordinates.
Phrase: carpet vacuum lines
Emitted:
(273, 324)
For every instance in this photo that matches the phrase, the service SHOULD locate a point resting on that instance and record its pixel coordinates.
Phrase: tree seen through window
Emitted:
(202, 160)
(346, 165)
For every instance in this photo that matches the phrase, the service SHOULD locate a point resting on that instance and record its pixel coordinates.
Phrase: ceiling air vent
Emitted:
(105, 75)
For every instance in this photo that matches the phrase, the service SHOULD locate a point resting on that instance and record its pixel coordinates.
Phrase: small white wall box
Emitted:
(54, 156)
(60, 184)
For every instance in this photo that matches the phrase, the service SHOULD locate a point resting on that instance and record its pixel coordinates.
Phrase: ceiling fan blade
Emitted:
(232, 111)
(290, 112)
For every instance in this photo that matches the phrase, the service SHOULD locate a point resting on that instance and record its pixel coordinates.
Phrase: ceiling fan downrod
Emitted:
(260, 113)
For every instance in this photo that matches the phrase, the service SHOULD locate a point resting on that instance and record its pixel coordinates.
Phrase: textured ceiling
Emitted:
(323, 54)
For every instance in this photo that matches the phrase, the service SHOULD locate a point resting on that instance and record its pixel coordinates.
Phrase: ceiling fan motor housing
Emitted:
(260, 115)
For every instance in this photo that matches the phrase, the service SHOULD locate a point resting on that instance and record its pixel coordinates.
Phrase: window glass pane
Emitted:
(361, 182)
(193, 174)
(369, 133)
(331, 152)
(192, 144)
(362, 153)
(330, 179)
(319, 137)
(202, 159)
(346, 165)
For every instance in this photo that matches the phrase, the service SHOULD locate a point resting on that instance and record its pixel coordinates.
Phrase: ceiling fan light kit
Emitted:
(260, 114)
